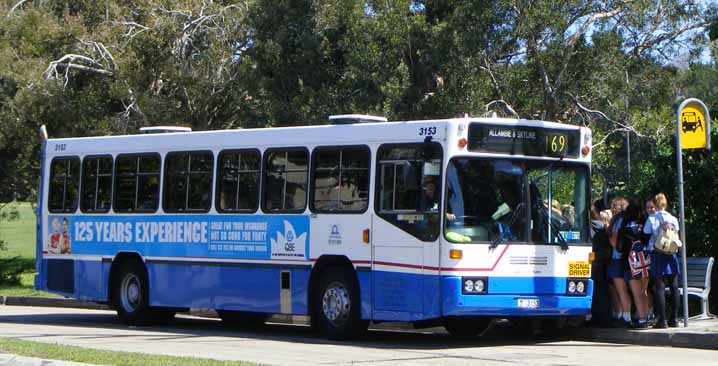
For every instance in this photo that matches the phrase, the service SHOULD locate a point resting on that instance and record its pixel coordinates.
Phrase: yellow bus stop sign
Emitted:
(693, 127)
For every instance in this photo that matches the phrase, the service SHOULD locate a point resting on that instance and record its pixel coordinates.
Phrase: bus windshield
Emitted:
(502, 200)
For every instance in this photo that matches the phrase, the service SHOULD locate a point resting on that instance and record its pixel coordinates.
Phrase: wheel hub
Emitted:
(131, 292)
(336, 304)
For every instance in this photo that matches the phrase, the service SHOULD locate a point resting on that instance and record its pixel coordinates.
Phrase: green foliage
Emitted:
(12, 268)
(258, 63)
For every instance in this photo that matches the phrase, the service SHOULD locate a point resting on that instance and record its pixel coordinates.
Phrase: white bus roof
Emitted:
(358, 133)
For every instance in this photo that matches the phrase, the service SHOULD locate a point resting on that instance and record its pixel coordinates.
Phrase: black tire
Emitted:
(130, 294)
(465, 327)
(527, 327)
(241, 319)
(336, 307)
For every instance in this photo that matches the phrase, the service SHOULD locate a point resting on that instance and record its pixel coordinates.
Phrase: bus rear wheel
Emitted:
(464, 327)
(336, 310)
(131, 296)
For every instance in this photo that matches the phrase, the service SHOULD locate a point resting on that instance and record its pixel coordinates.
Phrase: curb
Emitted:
(51, 302)
(691, 338)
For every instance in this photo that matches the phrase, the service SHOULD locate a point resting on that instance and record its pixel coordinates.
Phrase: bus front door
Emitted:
(399, 286)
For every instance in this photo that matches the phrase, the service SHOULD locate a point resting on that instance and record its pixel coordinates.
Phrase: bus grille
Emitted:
(539, 261)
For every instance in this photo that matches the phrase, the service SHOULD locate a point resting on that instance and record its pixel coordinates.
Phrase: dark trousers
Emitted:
(659, 297)
(601, 303)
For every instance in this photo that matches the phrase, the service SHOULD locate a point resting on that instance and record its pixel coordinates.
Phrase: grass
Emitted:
(26, 287)
(19, 238)
(101, 357)
(19, 235)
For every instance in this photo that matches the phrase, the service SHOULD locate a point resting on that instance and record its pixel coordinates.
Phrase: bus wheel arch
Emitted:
(129, 290)
(334, 298)
(117, 263)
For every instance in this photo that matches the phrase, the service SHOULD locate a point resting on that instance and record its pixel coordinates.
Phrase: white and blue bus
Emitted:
(451, 222)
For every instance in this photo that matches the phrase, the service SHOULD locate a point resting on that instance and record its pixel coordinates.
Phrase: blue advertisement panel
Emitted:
(211, 236)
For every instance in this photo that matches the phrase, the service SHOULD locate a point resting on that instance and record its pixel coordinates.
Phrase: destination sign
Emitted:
(523, 140)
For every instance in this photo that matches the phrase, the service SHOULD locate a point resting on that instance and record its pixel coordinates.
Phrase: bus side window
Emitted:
(64, 184)
(188, 181)
(137, 183)
(340, 179)
(238, 181)
(96, 189)
(409, 188)
(285, 180)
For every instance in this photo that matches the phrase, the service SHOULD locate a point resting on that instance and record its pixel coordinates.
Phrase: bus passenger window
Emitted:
(409, 188)
(341, 179)
(96, 184)
(285, 180)
(188, 181)
(137, 179)
(64, 182)
(238, 181)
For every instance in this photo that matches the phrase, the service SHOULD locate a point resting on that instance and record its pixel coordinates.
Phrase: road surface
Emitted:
(278, 344)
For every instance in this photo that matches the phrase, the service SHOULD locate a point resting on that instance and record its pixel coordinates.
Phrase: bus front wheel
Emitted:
(463, 327)
(336, 306)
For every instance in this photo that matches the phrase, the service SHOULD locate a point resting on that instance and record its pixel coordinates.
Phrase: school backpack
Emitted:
(668, 241)
(639, 262)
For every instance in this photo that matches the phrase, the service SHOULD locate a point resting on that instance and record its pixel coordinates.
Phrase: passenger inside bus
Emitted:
(540, 214)
(508, 213)
(430, 199)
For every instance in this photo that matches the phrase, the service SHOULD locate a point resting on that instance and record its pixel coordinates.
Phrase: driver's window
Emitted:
(485, 201)
(409, 188)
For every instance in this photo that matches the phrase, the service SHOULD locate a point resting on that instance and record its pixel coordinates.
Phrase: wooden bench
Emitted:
(699, 282)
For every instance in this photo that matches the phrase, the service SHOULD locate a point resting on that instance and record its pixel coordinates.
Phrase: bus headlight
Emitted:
(473, 285)
(468, 286)
(576, 286)
(479, 285)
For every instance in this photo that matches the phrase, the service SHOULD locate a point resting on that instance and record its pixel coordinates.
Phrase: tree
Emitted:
(87, 68)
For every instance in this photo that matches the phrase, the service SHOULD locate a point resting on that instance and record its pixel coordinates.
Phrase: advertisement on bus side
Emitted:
(213, 236)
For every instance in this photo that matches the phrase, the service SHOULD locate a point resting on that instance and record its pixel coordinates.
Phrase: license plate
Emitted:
(528, 303)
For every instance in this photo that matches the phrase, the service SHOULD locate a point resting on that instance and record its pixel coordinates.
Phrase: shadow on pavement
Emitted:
(185, 327)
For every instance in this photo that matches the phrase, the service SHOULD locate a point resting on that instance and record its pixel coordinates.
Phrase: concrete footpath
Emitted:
(700, 334)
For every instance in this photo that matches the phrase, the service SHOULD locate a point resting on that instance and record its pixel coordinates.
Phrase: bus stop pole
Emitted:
(682, 230)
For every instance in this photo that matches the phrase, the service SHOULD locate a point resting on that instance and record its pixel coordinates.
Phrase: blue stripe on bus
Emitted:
(365, 289)
(219, 287)
(90, 280)
(397, 296)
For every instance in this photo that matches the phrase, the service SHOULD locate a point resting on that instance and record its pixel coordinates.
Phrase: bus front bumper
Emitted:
(529, 296)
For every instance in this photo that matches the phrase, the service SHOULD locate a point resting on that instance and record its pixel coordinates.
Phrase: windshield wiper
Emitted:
(564, 244)
(512, 221)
